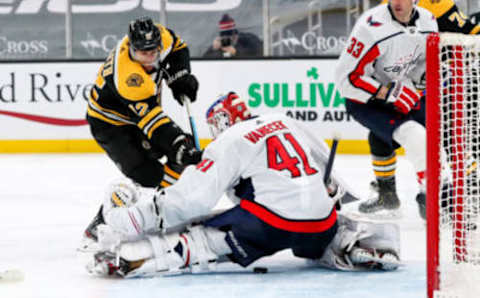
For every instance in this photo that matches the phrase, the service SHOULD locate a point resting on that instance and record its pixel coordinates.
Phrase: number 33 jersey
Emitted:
(272, 166)
(381, 49)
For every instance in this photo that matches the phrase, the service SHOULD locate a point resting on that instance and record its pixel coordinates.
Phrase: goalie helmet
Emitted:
(225, 112)
(144, 35)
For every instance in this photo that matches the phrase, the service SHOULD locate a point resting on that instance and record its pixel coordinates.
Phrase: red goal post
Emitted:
(453, 226)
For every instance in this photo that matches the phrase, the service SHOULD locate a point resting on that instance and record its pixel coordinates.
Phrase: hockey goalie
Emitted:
(271, 167)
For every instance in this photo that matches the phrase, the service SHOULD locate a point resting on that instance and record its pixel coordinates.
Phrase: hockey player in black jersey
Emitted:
(125, 114)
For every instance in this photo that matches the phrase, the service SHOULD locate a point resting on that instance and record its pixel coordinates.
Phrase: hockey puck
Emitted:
(261, 270)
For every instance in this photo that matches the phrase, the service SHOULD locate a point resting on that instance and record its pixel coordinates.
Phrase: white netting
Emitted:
(459, 238)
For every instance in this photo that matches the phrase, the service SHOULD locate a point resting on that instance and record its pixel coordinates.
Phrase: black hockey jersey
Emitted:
(126, 94)
(449, 17)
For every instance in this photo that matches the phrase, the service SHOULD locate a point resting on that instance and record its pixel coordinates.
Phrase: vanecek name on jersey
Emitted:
(278, 155)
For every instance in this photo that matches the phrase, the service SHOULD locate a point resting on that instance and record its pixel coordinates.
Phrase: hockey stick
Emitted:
(193, 127)
(347, 197)
(13, 275)
(331, 159)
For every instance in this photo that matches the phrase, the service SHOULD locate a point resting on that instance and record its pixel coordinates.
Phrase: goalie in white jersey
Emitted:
(271, 167)
(380, 72)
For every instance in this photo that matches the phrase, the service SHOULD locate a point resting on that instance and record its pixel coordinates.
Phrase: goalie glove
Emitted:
(183, 83)
(336, 192)
(402, 95)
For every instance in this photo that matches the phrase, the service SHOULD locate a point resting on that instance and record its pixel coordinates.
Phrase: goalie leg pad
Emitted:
(374, 238)
(195, 251)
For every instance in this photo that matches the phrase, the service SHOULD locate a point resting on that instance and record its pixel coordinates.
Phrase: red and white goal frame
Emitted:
(453, 226)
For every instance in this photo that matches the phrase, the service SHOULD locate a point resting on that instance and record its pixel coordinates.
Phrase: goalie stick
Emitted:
(347, 197)
(331, 158)
(193, 127)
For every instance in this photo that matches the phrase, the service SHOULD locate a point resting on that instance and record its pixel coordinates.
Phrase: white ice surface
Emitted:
(46, 201)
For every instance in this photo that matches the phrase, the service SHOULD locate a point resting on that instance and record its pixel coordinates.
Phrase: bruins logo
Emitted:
(134, 80)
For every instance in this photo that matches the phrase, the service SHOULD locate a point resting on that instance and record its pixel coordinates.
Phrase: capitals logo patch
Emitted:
(373, 23)
(134, 80)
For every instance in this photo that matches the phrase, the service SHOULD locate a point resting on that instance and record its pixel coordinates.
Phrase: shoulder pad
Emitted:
(167, 39)
(131, 80)
(438, 8)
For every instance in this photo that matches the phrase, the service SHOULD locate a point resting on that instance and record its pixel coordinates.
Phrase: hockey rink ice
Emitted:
(47, 200)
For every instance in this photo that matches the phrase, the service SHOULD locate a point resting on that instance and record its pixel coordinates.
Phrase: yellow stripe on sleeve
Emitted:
(157, 124)
(164, 184)
(475, 30)
(97, 115)
(179, 44)
(150, 115)
(171, 172)
(93, 102)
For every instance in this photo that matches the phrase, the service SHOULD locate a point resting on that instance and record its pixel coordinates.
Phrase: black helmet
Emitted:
(144, 35)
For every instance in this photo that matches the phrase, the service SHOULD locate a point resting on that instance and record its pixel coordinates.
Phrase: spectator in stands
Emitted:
(232, 43)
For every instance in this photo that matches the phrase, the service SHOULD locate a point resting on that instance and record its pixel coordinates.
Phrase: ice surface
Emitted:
(46, 201)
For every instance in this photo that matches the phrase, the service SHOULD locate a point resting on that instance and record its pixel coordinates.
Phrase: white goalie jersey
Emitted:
(381, 50)
(271, 165)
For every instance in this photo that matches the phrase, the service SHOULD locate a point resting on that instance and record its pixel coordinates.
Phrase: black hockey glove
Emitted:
(183, 83)
(184, 152)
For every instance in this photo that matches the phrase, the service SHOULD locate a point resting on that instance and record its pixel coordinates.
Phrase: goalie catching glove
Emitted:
(183, 83)
(402, 95)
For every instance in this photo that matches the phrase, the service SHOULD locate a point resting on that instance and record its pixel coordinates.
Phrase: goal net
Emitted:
(453, 201)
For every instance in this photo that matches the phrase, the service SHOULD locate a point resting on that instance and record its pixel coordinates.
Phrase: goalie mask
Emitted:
(225, 112)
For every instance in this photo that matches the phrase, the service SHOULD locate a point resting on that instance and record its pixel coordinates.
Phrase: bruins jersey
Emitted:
(449, 17)
(126, 94)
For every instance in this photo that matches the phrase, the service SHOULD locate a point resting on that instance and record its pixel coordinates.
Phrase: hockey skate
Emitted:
(371, 259)
(109, 264)
(384, 198)
(90, 236)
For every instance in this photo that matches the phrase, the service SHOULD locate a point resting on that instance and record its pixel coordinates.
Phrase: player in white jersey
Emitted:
(271, 167)
(380, 72)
